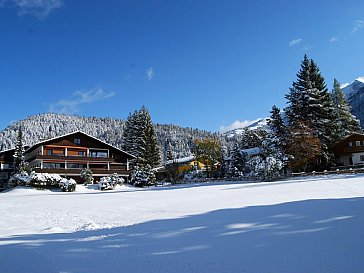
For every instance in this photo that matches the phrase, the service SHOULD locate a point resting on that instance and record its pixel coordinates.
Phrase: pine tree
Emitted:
(131, 134)
(277, 129)
(310, 102)
(238, 161)
(345, 122)
(19, 152)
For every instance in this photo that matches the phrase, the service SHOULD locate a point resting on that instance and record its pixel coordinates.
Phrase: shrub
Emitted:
(110, 182)
(41, 180)
(67, 185)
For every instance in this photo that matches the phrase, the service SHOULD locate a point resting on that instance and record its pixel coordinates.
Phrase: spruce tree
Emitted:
(238, 161)
(19, 152)
(277, 128)
(345, 122)
(310, 102)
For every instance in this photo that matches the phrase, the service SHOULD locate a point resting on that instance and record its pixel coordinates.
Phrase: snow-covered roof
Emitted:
(251, 151)
(181, 160)
(75, 132)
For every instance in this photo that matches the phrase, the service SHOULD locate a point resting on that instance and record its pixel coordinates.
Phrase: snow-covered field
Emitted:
(304, 225)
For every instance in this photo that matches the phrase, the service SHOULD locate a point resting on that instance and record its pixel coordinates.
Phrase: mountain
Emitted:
(353, 87)
(44, 126)
(355, 95)
(259, 124)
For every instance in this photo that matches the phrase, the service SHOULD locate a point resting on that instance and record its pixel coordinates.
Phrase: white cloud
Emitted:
(72, 105)
(150, 73)
(361, 79)
(295, 42)
(333, 39)
(359, 24)
(237, 124)
(37, 8)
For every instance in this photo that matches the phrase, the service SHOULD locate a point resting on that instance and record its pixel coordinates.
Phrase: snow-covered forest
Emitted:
(110, 130)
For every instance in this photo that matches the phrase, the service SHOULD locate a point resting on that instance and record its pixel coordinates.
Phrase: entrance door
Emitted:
(351, 161)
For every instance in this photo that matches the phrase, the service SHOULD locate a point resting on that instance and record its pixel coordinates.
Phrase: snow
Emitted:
(181, 160)
(309, 224)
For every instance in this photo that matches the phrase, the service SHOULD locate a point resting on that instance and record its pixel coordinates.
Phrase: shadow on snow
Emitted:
(303, 236)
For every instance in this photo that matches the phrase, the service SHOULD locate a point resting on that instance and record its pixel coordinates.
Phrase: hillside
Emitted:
(43, 126)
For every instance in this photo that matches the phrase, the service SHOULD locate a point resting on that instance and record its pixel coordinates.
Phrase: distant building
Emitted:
(350, 150)
(67, 155)
(188, 163)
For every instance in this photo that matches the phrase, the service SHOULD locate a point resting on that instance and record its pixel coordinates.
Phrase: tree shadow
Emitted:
(303, 236)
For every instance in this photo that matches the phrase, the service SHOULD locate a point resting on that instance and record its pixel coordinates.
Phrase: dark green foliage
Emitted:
(345, 122)
(238, 161)
(140, 138)
(310, 102)
(19, 164)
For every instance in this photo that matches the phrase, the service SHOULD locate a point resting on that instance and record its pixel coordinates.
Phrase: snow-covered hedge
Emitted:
(67, 184)
(110, 182)
(41, 180)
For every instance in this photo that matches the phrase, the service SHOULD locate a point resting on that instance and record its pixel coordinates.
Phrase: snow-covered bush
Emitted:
(19, 179)
(67, 185)
(44, 179)
(143, 176)
(41, 180)
(86, 175)
(110, 182)
(266, 169)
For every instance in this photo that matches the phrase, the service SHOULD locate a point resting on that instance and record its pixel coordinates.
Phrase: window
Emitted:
(49, 152)
(53, 165)
(76, 166)
(77, 141)
(99, 154)
(350, 144)
(361, 157)
(357, 143)
(81, 153)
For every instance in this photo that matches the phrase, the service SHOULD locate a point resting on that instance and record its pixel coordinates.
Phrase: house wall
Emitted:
(344, 160)
(356, 158)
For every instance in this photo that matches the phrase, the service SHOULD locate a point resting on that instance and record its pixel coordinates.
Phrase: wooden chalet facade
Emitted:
(67, 155)
(350, 151)
(6, 164)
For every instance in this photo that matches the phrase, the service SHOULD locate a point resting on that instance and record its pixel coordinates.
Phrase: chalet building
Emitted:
(67, 155)
(6, 164)
(350, 151)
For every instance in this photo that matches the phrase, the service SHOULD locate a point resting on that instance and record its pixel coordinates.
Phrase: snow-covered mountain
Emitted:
(110, 130)
(353, 87)
(260, 124)
(355, 95)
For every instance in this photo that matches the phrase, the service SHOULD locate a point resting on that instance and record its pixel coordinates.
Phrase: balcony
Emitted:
(74, 158)
(76, 172)
(354, 149)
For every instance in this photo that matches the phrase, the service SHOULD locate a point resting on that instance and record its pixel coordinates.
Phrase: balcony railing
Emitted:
(354, 149)
(78, 158)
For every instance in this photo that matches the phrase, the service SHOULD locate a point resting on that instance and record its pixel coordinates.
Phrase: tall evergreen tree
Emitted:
(19, 152)
(277, 129)
(238, 161)
(310, 102)
(151, 150)
(345, 122)
(140, 139)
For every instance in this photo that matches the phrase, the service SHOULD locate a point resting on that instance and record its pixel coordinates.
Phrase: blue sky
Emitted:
(202, 64)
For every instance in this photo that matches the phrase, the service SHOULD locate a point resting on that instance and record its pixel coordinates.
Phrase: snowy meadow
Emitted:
(313, 224)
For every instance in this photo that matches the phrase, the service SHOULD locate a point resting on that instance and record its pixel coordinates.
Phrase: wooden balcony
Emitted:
(77, 172)
(354, 149)
(72, 158)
